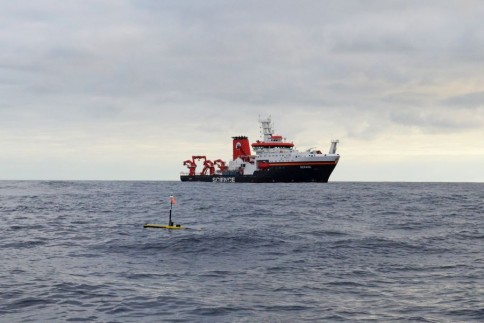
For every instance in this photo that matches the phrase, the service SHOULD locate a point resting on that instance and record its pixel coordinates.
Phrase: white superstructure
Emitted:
(274, 151)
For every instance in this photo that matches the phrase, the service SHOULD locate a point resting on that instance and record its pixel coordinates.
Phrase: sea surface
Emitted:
(385, 252)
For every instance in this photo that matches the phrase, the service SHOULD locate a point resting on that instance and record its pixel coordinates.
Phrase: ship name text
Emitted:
(223, 180)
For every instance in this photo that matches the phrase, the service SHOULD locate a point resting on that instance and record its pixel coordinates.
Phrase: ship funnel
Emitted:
(241, 147)
(332, 149)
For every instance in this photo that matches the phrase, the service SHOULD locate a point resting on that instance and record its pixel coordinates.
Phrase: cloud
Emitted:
(472, 100)
(443, 120)
(103, 74)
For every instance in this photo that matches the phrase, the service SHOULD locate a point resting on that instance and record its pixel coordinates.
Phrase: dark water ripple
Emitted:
(76, 251)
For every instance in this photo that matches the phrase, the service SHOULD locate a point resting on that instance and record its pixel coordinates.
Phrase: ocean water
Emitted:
(386, 252)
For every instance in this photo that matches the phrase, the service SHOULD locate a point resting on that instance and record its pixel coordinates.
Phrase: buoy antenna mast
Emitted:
(172, 201)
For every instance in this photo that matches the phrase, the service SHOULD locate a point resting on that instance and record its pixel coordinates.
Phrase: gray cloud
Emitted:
(434, 121)
(469, 100)
(134, 71)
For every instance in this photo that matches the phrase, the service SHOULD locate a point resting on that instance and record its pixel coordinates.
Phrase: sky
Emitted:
(128, 90)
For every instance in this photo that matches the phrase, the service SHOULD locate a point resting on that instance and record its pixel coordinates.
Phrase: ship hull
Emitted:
(276, 174)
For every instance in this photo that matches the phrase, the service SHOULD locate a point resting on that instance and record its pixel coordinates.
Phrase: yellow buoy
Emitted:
(162, 226)
(171, 225)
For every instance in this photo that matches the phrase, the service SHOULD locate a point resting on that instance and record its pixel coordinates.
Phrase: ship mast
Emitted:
(266, 128)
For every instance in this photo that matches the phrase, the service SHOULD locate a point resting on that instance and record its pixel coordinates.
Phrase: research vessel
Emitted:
(275, 160)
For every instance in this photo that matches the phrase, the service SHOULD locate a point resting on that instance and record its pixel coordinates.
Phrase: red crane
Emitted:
(192, 166)
(221, 165)
(208, 166)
